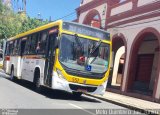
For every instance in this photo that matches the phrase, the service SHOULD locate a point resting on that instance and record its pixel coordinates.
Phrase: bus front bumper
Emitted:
(62, 84)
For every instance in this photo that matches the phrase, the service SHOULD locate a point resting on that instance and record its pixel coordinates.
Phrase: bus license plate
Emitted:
(82, 90)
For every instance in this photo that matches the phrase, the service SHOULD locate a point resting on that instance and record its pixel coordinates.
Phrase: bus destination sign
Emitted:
(79, 29)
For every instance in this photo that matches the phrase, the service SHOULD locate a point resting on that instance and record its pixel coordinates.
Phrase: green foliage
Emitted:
(12, 23)
(1, 6)
(31, 23)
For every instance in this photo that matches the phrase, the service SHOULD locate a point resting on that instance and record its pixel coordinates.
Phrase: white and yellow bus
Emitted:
(61, 55)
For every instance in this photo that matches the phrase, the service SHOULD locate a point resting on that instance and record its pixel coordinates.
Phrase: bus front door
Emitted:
(50, 58)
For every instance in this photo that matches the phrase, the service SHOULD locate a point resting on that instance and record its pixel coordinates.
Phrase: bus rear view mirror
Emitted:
(56, 42)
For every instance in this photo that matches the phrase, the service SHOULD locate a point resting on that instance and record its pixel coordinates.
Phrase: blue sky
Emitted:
(54, 8)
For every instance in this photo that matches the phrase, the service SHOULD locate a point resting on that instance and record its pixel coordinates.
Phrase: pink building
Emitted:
(135, 29)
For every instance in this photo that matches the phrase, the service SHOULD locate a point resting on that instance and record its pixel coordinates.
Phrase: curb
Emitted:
(141, 110)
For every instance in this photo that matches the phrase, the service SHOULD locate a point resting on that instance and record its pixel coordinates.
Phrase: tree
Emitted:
(31, 23)
(1, 6)
(12, 23)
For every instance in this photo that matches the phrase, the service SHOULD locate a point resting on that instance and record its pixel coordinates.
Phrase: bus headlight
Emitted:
(60, 75)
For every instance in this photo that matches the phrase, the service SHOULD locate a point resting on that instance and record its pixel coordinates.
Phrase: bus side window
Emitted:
(22, 46)
(42, 43)
(16, 47)
(27, 46)
(33, 43)
(11, 43)
(7, 49)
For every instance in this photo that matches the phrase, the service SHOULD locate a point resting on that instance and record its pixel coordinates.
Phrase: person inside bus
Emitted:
(38, 47)
(80, 56)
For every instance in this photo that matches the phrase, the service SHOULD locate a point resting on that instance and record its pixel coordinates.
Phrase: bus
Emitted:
(1, 58)
(61, 55)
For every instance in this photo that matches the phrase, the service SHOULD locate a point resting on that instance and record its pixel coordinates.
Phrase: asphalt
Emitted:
(20, 95)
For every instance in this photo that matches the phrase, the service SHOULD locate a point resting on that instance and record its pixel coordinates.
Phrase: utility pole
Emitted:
(20, 6)
(24, 6)
(39, 17)
(50, 19)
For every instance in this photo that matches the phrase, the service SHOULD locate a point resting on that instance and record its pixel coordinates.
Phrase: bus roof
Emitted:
(56, 23)
(87, 26)
(86, 30)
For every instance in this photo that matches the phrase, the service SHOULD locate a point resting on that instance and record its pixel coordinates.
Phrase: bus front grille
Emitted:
(85, 88)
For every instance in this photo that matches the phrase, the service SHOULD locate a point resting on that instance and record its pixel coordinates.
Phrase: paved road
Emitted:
(21, 95)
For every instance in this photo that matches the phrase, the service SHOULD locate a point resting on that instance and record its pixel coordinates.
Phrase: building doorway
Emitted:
(144, 64)
(118, 64)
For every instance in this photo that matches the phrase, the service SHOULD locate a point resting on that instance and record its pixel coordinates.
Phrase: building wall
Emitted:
(148, 47)
(144, 2)
(82, 16)
(129, 18)
(121, 9)
(154, 72)
(85, 2)
(130, 34)
(120, 52)
(158, 89)
(100, 9)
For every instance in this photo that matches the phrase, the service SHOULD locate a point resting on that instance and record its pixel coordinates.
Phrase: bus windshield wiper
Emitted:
(95, 48)
(92, 51)
(79, 42)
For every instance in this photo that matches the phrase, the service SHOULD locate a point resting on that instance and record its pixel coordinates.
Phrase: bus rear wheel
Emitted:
(12, 77)
(37, 81)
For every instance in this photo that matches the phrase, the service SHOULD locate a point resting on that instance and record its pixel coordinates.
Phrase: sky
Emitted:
(54, 8)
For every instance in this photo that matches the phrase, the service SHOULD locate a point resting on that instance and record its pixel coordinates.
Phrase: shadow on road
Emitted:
(55, 94)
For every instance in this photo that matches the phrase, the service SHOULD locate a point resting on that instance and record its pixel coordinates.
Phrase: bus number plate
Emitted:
(75, 80)
(82, 90)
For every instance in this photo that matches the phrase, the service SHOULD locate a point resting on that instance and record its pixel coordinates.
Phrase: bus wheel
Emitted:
(12, 75)
(77, 94)
(37, 81)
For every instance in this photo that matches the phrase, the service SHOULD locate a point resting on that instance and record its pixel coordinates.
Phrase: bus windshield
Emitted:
(77, 53)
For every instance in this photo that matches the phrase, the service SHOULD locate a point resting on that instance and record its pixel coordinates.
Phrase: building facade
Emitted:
(135, 29)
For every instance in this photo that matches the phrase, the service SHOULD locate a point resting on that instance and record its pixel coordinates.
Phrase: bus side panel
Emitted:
(29, 66)
(18, 67)
(14, 61)
(6, 66)
(25, 67)
(36, 63)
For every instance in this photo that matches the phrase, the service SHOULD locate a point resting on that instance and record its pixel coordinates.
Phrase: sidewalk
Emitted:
(130, 102)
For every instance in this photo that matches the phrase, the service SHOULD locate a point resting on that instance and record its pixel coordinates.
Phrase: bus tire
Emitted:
(12, 77)
(37, 80)
(77, 94)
